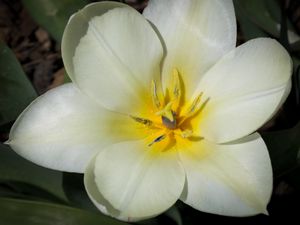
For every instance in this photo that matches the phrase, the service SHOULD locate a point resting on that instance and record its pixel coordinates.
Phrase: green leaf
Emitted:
(75, 191)
(13, 189)
(283, 148)
(4, 129)
(39, 213)
(67, 79)
(264, 15)
(249, 29)
(295, 92)
(15, 168)
(258, 12)
(53, 15)
(174, 214)
(293, 178)
(16, 92)
(152, 221)
(295, 47)
(274, 9)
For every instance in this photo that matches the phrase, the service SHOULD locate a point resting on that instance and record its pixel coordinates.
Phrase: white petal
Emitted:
(116, 60)
(196, 34)
(138, 181)
(230, 179)
(94, 194)
(97, 198)
(63, 129)
(245, 88)
(77, 27)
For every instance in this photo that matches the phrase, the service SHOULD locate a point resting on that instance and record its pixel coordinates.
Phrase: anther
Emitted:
(195, 105)
(142, 121)
(186, 133)
(175, 91)
(156, 98)
(158, 139)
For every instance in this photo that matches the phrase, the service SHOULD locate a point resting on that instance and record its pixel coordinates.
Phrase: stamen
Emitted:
(186, 133)
(194, 106)
(155, 98)
(158, 139)
(175, 93)
(142, 121)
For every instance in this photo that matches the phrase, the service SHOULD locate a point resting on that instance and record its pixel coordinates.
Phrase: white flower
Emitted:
(161, 112)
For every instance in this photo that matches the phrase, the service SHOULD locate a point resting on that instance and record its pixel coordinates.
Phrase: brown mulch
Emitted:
(36, 51)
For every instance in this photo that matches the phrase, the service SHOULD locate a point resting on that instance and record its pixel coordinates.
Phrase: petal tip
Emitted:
(265, 212)
(8, 142)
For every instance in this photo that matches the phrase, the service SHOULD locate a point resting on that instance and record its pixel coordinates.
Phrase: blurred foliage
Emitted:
(174, 214)
(14, 168)
(53, 15)
(75, 191)
(284, 149)
(263, 15)
(16, 91)
(33, 195)
(16, 211)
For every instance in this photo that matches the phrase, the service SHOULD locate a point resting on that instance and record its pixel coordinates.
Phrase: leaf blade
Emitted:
(25, 212)
(16, 91)
(15, 168)
(53, 15)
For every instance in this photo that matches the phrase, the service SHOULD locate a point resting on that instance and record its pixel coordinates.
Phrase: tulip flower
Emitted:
(162, 107)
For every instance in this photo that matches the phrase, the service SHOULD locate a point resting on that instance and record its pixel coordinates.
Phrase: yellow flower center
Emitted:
(170, 119)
